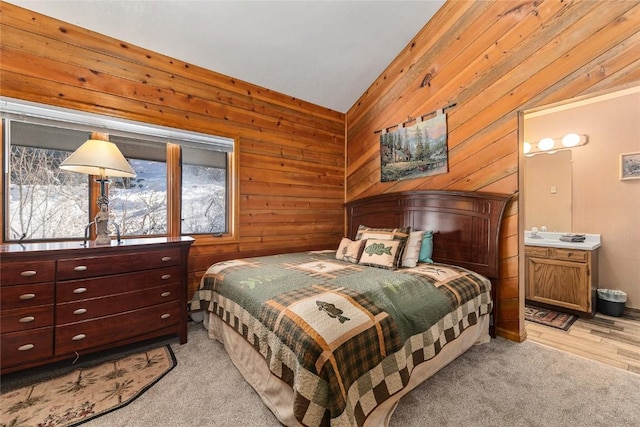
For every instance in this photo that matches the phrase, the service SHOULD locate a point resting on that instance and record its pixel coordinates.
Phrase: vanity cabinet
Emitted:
(63, 300)
(560, 277)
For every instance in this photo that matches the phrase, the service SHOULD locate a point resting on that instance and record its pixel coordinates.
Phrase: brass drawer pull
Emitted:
(79, 337)
(165, 294)
(166, 258)
(28, 273)
(27, 296)
(165, 316)
(166, 276)
(26, 347)
(80, 268)
(80, 311)
(27, 319)
(79, 290)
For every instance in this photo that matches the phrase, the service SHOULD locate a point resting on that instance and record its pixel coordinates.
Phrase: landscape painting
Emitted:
(415, 151)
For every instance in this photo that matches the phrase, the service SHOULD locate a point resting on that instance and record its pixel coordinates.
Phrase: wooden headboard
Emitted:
(466, 225)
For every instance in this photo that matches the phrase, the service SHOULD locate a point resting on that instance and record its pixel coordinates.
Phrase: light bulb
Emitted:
(526, 147)
(571, 140)
(546, 144)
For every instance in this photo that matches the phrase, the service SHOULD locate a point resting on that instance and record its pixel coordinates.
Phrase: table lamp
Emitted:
(102, 158)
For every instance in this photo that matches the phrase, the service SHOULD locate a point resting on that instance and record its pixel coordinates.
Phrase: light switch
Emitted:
(554, 189)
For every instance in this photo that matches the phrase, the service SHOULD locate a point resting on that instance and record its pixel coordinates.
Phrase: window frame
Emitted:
(169, 136)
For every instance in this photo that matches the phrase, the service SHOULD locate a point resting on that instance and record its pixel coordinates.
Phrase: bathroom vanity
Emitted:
(562, 274)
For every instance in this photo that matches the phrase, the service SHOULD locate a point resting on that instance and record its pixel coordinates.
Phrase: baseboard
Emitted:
(634, 313)
(510, 335)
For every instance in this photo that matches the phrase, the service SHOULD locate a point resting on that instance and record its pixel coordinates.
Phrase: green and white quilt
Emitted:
(344, 336)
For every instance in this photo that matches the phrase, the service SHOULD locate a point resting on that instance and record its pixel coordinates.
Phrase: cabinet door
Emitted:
(560, 283)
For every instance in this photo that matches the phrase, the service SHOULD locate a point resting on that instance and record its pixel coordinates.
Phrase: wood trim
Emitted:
(174, 185)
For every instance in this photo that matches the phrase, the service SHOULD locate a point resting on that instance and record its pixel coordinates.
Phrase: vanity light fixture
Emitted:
(551, 145)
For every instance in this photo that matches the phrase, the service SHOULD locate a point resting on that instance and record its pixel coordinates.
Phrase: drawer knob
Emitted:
(26, 347)
(165, 294)
(79, 290)
(28, 273)
(80, 311)
(166, 258)
(27, 319)
(79, 337)
(27, 296)
(80, 268)
(165, 316)
(166, 276)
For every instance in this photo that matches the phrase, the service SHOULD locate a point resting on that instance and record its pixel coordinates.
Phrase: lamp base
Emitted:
(103, 240)
(102, 225)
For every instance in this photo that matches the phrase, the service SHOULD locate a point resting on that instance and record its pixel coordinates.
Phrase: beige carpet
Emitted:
(499, 384)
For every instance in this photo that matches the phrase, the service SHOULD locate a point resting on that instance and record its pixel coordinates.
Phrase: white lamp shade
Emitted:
(98, 157)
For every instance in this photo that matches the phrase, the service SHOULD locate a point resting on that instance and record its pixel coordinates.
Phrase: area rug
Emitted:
(547, 317)
(84, 394)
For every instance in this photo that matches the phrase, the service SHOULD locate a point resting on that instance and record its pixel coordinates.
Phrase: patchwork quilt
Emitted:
(344, 336)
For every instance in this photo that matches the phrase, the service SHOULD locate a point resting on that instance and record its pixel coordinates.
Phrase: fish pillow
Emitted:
(349, 250)
(382, 253)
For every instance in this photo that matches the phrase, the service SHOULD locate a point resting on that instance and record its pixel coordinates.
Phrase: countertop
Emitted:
(552, 240)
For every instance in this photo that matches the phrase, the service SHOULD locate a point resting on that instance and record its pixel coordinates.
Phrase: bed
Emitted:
(337, 337)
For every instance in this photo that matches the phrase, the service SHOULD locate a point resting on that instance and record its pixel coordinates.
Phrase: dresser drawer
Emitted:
(77, 311)
(536, 251)
(570, 255)
(23, 347)
(78, 268)
(17, 273)
(104, 330)
(22, 319)
(22, 296)
(96, 287)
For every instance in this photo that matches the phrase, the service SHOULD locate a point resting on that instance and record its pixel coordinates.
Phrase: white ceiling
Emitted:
(324, 52)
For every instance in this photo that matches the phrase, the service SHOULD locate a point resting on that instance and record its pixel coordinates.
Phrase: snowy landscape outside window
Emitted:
(43, 202)
(204, 191)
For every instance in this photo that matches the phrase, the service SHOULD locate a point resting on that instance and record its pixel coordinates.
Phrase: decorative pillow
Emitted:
(349, 250)
(426, 250)
(412, 249)
(382, 253)
(365, 232)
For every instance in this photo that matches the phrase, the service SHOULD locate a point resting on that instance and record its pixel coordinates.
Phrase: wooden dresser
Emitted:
(63, 300)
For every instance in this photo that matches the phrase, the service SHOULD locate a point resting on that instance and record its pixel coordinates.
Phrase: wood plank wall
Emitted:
(492, 59)
(291, 152)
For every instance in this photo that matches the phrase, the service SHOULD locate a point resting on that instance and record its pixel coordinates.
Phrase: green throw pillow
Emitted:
(426, 250)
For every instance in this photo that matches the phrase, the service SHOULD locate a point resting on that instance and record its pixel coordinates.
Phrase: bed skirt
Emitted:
(278, 396)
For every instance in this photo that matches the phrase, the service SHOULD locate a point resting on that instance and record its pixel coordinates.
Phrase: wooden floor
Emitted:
(611, 340)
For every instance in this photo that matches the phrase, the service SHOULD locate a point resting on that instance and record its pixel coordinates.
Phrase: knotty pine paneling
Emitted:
(492, 59)
(291, 152)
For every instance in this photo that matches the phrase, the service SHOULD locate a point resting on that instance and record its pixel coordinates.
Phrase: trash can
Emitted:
(611, 302)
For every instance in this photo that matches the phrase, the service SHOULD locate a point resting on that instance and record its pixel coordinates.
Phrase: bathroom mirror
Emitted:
(547, 185)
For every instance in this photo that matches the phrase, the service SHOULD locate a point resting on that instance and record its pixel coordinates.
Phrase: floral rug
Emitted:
(548, 317)
(85, 393)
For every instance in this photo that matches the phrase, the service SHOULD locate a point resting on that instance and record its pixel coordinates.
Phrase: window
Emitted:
(204, 192)
(43, 202)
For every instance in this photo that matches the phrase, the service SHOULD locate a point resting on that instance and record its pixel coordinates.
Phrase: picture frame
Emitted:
(629, 166)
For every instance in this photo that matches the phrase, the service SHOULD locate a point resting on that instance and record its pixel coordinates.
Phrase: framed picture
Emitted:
(630, 166)
(415, 151)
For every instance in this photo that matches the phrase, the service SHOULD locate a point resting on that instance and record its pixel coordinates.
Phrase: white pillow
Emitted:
(412, 249)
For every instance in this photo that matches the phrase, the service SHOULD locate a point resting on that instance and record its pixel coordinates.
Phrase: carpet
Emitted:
(548, 317)
(86, 393)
